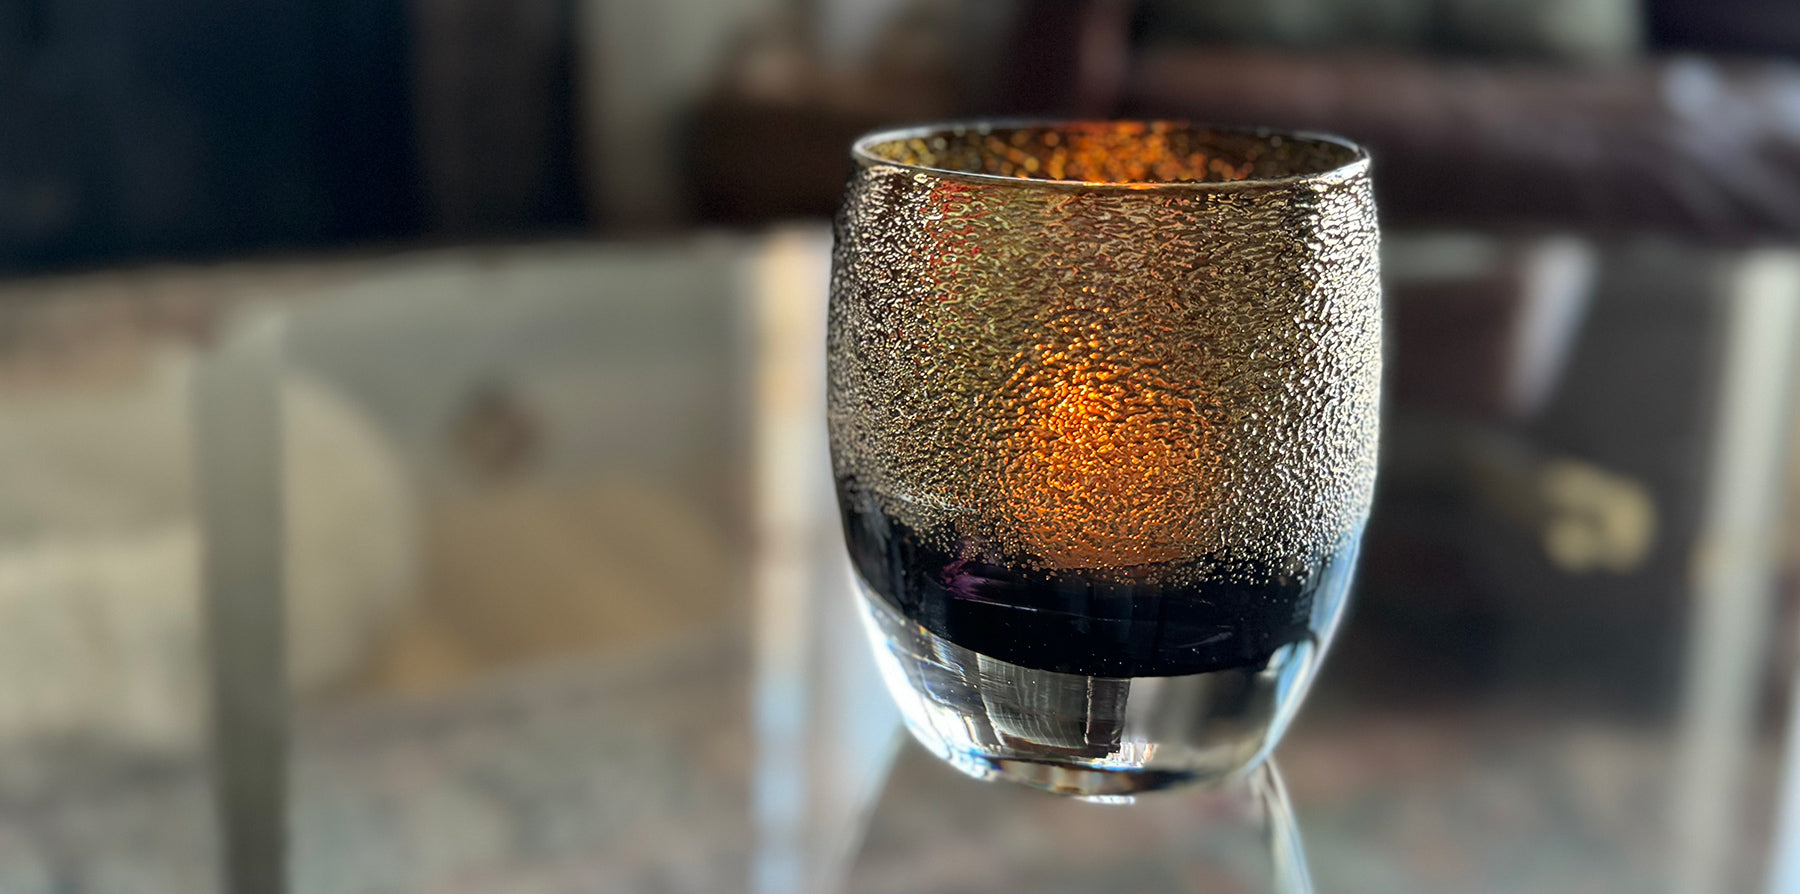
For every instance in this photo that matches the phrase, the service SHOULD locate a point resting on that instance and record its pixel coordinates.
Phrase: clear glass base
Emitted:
(1098, 738)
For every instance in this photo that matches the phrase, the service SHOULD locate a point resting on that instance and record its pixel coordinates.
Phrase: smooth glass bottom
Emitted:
(1099, 738)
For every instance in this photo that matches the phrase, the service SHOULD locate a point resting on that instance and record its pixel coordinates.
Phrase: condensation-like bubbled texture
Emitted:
(1102, 375)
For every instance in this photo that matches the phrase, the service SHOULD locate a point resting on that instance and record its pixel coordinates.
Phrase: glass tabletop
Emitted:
(517, 569)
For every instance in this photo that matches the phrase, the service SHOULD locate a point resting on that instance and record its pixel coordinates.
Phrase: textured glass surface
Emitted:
(1103, 376)
(1103, 405)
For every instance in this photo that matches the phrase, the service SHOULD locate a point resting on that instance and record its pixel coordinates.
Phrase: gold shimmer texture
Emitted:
(1170, 356)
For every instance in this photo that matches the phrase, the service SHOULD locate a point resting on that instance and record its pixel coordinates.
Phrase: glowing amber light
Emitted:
(1122, 152)
(1107, 473)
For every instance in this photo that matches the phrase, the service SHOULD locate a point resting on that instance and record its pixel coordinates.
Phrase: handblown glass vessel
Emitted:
(1103, 414)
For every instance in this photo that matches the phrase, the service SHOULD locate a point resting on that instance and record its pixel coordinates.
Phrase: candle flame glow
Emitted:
(1109, 471)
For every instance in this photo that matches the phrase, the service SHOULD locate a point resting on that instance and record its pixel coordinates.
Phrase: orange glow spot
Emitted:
(1108, 474)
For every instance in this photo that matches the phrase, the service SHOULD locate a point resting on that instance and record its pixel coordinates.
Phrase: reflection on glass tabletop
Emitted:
(567, 609)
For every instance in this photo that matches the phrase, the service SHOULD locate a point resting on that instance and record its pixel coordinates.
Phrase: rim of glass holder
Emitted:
(862, 150)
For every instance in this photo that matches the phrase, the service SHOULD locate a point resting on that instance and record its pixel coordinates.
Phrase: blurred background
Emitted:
(411, 466)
